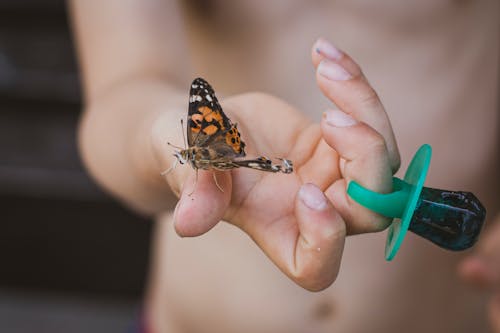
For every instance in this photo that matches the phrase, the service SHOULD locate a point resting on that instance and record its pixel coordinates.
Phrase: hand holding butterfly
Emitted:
(299, 220)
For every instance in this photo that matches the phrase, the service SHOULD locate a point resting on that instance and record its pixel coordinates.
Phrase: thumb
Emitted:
(320, 242)
(202, 204)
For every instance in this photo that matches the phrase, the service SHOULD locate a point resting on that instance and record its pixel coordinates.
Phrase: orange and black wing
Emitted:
(208, 126)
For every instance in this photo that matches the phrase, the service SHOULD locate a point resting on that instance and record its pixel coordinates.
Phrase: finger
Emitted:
(323, 49)
(202, 204)
(366, 160)
(320, 244)
(306, 245)
(341, 80)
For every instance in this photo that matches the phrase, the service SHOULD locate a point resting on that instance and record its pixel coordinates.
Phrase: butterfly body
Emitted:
(204, 158)
(214, 142)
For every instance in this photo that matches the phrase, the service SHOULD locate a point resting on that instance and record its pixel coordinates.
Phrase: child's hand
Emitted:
(299, 220)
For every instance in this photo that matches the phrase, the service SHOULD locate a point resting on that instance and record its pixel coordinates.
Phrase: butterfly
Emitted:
(214, 142)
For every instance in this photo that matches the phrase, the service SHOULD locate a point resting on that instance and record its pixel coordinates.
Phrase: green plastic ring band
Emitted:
(400, 203)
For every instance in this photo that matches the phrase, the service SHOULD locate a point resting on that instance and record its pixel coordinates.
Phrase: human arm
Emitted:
(269, 207)
(132, 112)
(132, 62)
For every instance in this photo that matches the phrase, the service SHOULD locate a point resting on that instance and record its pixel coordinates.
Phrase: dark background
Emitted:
(70, 256)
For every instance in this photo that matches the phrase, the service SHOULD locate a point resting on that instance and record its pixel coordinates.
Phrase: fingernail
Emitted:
(324, 47)
(333, 71)
(312, 197)
(338, 118)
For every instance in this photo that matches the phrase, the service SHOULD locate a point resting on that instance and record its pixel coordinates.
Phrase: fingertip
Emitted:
(188, 222)
(202, 204)
(320, 242)
(322, 48)
(312, 197)
(332, 124)
(316, 56)
(338, 118)
(317, 218)
(350, 137)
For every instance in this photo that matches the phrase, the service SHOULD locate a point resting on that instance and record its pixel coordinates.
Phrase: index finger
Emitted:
(352, 93)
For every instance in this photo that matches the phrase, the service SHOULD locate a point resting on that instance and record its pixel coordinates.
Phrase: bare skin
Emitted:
(133, 108)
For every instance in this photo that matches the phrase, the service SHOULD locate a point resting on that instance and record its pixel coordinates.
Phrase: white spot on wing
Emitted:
(194, 98)
(255, 166)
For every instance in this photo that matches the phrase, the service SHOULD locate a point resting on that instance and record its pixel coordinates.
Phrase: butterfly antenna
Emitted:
(172, 145)
(183, 133)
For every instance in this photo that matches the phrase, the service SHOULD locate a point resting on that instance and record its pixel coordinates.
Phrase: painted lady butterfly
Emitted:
(214, 142)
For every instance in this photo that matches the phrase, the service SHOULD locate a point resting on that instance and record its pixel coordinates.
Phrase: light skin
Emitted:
(298, 226)
(139, 98)
(275, 210)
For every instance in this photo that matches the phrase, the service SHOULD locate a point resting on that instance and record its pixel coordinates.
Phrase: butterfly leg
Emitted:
(195, 182)
(172, 167)
(216, 183)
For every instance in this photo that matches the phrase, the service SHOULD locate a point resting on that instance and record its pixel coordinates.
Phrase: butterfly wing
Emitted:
(209, 129)
(208, 126)
(264, 164)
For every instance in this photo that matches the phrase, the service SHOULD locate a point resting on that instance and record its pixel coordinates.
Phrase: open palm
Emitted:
(299, 220)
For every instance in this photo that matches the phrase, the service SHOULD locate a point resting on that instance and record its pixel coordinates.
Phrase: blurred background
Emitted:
(71, 259)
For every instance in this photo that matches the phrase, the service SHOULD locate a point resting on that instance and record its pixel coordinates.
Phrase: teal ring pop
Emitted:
(450, 219)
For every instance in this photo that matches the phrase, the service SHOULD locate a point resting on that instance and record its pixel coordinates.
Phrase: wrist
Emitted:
(115, 139)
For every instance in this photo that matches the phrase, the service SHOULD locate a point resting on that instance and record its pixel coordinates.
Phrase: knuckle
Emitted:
(376, 145)
(334, 234)
(369, 97)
